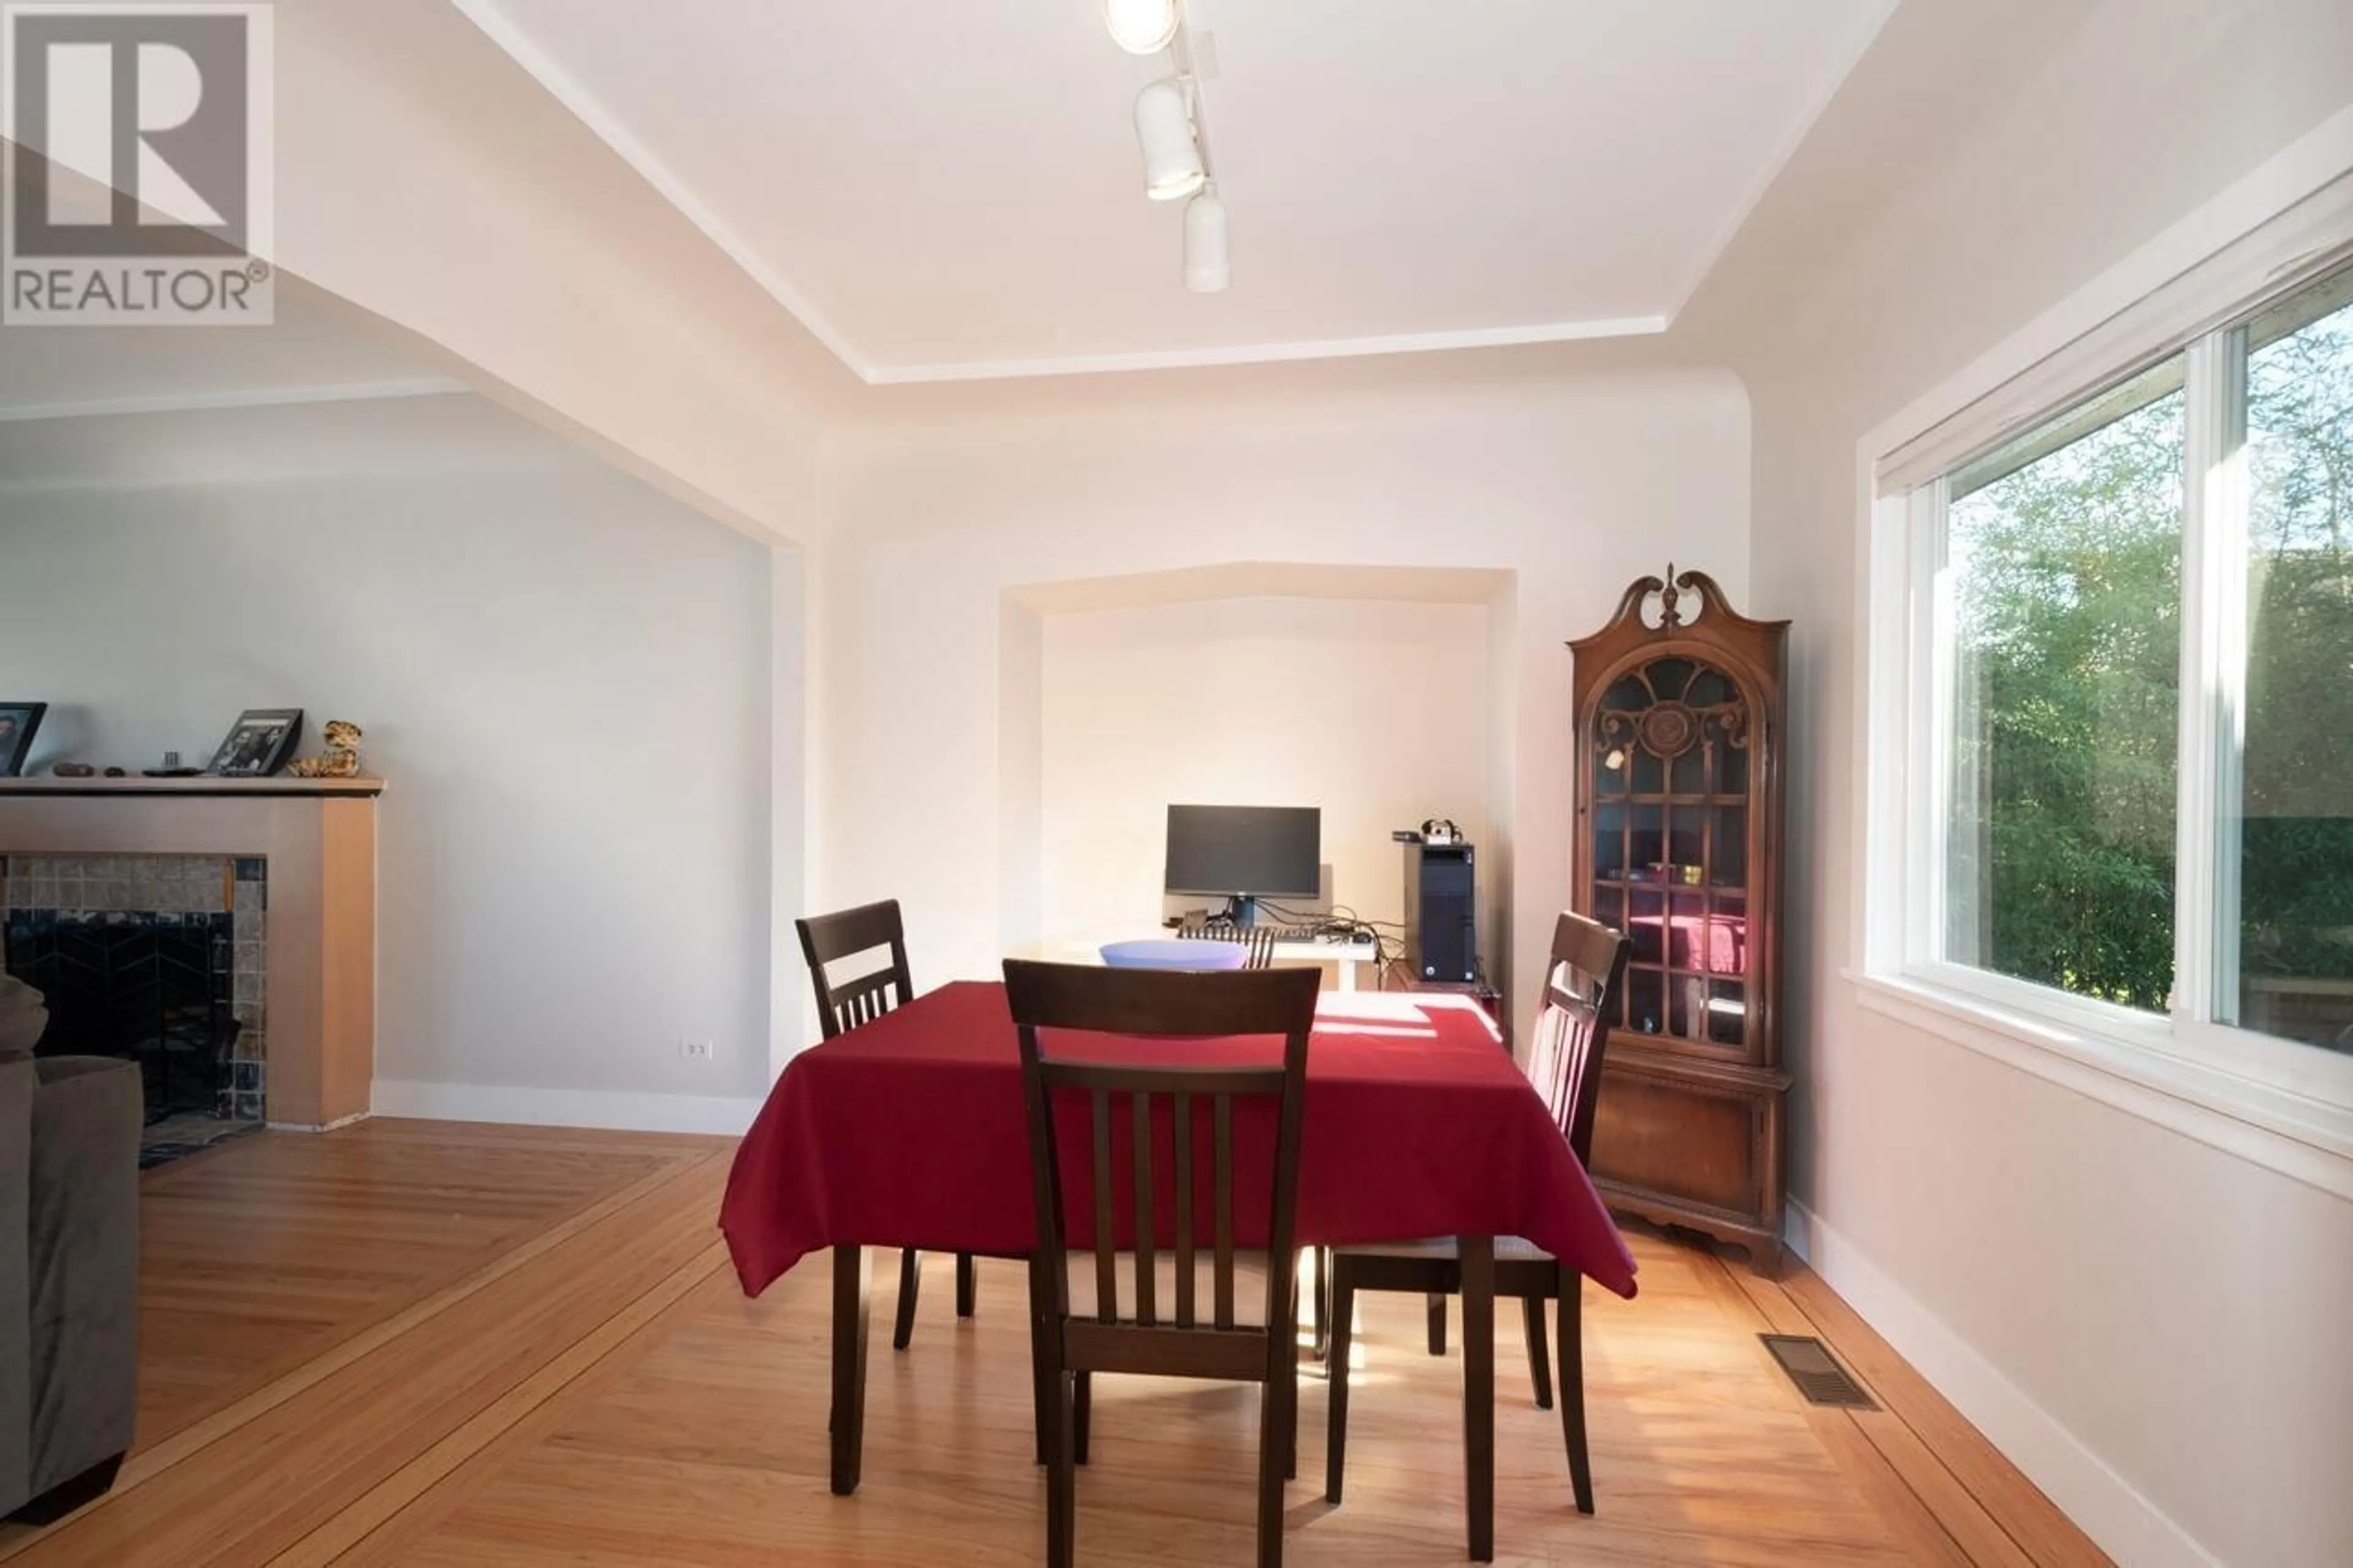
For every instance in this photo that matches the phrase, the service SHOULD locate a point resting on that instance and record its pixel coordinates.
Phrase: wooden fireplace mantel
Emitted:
(197, 787)
(318, 838)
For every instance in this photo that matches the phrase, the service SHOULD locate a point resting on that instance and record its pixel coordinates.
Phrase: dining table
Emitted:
(911, 1132)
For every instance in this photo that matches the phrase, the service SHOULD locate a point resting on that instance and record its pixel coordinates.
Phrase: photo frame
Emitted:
(258, 745)
(18, 723)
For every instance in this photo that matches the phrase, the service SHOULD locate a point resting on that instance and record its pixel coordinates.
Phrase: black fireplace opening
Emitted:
(155, 988)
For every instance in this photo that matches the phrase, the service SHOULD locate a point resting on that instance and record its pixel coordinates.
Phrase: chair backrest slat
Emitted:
(1582, 980)
(1182, 1125)
(845, 934)
(1259, 940)
(1171, 1080)
(1223, 1183)
(1145, 1262)
(1160, 1005)
(1106, 1234)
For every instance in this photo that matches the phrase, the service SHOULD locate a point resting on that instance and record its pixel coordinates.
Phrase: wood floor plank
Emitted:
(1928, 1533)
(711, 1450)
(258, 1491)
(147, 1462)
(352, 1525)
(2043, 1535)
(593, 1390)
(272, 1250)
(392, 1537)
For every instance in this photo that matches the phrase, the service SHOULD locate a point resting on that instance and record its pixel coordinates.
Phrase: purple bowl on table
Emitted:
(1174, 953)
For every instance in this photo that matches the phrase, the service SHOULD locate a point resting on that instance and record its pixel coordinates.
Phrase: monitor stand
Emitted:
(1241, 912)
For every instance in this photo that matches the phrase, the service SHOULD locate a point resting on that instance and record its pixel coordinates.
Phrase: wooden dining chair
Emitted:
(846, 934)
(1081, 1326)
(1580, 991)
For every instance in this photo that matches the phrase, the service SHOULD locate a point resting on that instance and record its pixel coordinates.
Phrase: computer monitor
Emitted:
(1245, 852)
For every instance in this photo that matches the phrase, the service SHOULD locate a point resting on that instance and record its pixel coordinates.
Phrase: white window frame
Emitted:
(2287, 1104)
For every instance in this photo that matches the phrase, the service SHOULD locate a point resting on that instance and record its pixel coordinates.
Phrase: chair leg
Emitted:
(1335, 1387)
(1437, 1322)
(1532, 1314)
(911, 1281)
(1040, 1392)
(1572, 1386)
(1323, 1302)
(1291, 1423)
(967, 1284)
(1275, 1427)
(1062, 1475)
(1289, 1362)
(1082, 1401)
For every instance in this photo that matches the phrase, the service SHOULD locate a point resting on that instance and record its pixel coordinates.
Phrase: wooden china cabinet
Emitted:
(1679, 736)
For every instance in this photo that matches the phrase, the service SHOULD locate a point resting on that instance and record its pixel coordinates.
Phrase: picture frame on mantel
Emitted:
(258, 745)
(18, 723)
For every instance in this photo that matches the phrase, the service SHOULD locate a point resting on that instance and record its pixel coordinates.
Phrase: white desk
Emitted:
(1346, 955)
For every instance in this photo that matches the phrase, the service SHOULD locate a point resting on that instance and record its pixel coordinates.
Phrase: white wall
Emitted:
(1376, 711)
(2159, 1331)
(563, 676)
(1577, 483)
(792, 826)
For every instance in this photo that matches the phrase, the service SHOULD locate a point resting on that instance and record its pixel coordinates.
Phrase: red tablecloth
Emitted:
(910, 1133)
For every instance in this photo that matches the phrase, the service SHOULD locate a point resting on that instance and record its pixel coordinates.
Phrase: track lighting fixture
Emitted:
(1208, 267)
(1174, 141)
(1172, 156)
(1140, 27)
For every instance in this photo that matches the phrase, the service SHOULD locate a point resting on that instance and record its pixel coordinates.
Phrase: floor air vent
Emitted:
(1815, 1372)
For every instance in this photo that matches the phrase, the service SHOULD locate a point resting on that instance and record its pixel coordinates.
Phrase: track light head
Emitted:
(1140, 27)
(1208, 268)
(1172, 157)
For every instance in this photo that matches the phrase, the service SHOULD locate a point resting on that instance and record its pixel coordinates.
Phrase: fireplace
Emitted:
(158, 958)
(291, 863)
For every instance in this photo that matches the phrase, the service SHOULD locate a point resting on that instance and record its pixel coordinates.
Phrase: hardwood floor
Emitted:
(255, 1267)
(408, 1343)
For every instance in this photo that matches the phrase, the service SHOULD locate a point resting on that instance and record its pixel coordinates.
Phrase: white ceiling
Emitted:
(945, 189)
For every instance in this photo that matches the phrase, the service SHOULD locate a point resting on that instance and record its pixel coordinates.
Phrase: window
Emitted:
(2065, 559)
(2130, 705)
(2285, 939)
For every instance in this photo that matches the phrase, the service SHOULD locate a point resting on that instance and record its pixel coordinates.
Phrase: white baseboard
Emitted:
(2124, 1524)
(566, 1107)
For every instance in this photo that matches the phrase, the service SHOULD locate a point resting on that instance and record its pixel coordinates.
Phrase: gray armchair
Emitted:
(69, 1267)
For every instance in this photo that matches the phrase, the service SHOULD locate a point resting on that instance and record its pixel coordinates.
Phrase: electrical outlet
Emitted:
(698, 1050)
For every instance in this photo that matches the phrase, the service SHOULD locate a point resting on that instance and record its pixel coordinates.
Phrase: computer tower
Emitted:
(1442, 911)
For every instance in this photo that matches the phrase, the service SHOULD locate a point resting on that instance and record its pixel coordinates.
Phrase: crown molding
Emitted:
(1271, 353)
(608, 127)
(256, 397)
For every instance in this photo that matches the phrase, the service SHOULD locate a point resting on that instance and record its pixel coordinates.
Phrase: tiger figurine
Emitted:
(342, 757)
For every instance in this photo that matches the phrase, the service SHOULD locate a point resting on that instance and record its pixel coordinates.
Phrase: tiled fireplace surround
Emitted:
(48, 901)
(317, 841)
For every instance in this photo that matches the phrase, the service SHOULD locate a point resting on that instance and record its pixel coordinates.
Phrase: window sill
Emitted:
(2307, 1140)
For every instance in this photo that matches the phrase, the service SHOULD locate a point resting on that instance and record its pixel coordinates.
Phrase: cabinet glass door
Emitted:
(1671, 822)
